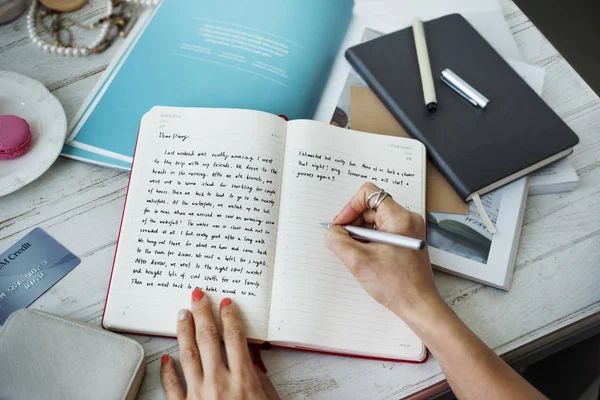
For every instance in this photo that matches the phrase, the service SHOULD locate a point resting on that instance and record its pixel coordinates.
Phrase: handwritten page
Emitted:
(315, 299)
(201, 211)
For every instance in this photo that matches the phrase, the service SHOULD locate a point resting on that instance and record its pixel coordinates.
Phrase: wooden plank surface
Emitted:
(556, 281)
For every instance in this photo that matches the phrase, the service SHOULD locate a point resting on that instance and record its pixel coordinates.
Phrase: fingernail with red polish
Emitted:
(164, 359)
(225, 302)
(197, 294)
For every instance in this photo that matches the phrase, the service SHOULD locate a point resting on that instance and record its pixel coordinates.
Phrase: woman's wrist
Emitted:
(423, 311)
(435, 322)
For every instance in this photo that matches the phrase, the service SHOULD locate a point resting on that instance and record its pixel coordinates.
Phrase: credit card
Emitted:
(29, 268)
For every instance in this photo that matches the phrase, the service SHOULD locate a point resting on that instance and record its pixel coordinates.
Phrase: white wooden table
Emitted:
(556, 284)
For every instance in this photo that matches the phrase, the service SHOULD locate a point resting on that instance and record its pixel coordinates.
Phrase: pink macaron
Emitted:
(15, 137)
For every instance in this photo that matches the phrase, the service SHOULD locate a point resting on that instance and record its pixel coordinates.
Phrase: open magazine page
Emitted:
(273, 57)
(465, 235)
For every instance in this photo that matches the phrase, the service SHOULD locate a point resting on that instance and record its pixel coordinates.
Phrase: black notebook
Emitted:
(477, 150)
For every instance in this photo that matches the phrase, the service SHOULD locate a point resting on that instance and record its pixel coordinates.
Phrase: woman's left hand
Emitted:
(206, 375)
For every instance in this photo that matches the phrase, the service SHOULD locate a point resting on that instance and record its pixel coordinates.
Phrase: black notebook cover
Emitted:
(477, 150)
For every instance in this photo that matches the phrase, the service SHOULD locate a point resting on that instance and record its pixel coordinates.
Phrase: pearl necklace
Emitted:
(77, 51)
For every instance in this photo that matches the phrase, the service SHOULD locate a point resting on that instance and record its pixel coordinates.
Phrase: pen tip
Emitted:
(326, 224)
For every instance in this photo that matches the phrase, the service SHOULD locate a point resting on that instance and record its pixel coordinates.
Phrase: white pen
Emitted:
(373, 235)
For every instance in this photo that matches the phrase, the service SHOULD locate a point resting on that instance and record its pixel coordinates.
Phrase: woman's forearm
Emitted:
(472, 369)
(402, 280)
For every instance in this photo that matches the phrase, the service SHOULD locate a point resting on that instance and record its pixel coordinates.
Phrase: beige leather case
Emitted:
(46, 357)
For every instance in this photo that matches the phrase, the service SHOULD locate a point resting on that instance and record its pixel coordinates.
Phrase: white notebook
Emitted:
(230, 201)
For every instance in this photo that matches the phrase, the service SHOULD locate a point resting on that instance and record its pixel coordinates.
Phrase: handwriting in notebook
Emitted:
(329, 306)
(324, 167)
(205, 220)
(216, 195)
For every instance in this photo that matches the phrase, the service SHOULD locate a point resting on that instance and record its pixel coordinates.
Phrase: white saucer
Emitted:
(30, 100)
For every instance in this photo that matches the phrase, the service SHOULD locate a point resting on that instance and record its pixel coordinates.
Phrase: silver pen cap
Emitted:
(464, 89)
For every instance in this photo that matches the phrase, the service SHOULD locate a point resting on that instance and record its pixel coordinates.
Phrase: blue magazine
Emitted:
(261, 55)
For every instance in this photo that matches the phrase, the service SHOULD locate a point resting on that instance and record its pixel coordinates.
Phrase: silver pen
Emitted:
(373, 235)
(464, 89)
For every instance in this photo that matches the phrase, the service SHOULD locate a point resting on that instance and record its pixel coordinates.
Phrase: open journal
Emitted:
(230, 201)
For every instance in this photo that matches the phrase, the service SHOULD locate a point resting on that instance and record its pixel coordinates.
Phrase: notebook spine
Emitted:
(406, 122)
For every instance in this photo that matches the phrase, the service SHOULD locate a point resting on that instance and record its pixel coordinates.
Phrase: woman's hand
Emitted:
(206, 375)
(398, 278)
(402, 280)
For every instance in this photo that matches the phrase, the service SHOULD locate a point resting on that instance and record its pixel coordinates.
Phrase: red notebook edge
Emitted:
(112, 270)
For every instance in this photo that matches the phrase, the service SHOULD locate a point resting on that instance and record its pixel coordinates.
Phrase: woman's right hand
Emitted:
(398, 278)
(402, 280)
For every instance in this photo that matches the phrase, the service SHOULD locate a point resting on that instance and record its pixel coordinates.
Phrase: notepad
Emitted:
(476, 150)
(230, 201)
